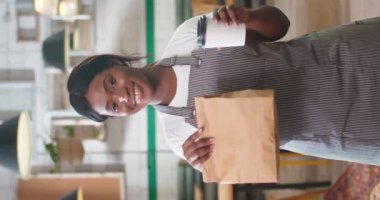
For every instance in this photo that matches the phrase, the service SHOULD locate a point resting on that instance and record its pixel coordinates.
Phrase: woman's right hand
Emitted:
(197, 150)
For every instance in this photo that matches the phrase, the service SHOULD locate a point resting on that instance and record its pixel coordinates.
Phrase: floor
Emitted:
(307, 16)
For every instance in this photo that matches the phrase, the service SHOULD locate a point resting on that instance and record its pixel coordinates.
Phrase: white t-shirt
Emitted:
(183, 41)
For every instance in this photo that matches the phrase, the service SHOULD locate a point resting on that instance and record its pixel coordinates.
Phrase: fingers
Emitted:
(191, 139)
(199, 153)
(201, 159)
(197, 150)
(215, 16)
(227, 15)
(232, 13)
(224, 18)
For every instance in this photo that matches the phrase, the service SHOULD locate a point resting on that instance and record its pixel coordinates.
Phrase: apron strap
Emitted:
(180, 60)
(187, 112)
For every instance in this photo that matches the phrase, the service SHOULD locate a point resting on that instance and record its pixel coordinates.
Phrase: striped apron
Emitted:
(327, 87)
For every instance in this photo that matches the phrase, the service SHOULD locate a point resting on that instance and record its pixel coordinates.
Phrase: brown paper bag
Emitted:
(244, 126)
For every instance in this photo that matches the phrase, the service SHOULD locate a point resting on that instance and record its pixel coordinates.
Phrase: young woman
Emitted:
(326, 83)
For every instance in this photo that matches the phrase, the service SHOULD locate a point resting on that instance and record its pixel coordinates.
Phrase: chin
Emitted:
(136, 110)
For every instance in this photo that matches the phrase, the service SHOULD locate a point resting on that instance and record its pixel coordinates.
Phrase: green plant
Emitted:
(69, 130)
(52, 149)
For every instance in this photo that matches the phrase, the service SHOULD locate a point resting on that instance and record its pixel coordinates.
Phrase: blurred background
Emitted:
(127, 158)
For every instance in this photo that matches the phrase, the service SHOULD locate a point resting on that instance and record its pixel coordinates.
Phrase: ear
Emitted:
(152, 64)
(127, 63)
(116, 62)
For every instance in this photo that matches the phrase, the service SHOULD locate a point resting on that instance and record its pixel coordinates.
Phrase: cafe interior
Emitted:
(48, 151)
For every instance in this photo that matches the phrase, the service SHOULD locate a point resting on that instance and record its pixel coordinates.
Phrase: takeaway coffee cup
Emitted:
(212, 35)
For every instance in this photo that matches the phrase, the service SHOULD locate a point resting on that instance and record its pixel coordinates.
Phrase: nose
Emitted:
(122, 99)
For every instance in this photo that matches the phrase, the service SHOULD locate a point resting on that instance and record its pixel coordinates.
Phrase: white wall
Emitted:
(120, 28)
(15, 97)
(15, 55)
(7, 184)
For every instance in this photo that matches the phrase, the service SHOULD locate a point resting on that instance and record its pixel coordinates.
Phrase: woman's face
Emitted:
(119, 91)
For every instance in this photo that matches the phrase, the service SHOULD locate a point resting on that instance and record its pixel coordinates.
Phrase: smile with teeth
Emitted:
(137, 94)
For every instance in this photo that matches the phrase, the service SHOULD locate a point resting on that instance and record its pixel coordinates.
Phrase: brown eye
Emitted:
(115, 107)
(112, 83)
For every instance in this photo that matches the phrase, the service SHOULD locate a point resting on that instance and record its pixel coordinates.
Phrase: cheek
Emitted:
(97, 101)
(122, 82)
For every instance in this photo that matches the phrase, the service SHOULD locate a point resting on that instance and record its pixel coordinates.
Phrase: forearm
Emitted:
(265, 23)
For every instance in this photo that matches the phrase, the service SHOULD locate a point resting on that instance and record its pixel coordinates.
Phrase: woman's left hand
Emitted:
(264, 23)
(229, 15)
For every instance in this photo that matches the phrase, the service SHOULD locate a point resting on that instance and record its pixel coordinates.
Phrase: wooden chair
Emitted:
(310, 195)
(288, 158)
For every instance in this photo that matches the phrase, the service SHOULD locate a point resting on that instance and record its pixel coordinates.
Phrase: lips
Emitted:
(136, 94)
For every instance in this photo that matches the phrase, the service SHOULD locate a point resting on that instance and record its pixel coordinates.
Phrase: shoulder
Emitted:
(183, 40)
(189, 25)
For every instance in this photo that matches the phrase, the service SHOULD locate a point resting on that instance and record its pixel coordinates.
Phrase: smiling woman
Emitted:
(119, 91)
(327, 93)
(107, 85)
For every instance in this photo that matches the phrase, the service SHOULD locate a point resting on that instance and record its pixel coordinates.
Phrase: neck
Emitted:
(164, 81)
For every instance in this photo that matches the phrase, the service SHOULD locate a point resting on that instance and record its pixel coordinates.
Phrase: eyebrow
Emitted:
(105, 89)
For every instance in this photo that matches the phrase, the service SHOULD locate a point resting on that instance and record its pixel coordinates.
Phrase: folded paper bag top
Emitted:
(245, 130)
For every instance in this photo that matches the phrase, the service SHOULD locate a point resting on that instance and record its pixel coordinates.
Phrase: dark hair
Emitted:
(81, 76)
